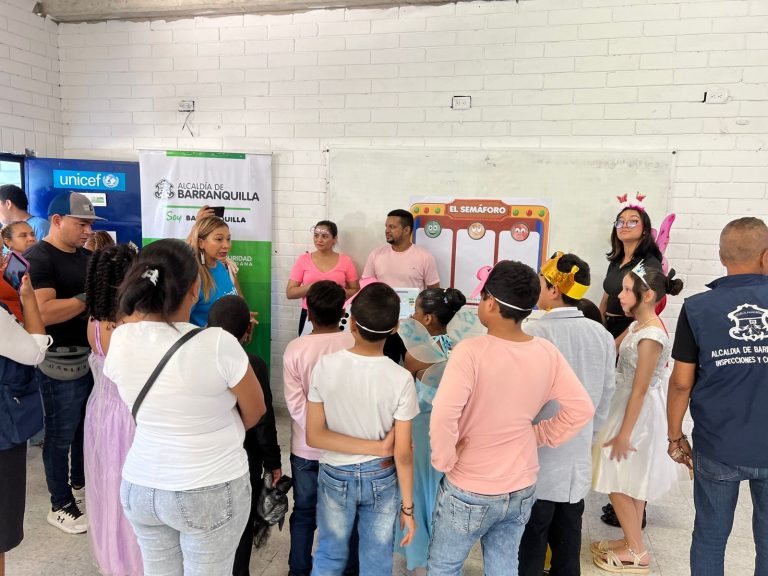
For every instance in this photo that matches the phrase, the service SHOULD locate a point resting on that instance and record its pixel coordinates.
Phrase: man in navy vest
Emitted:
(721, 365)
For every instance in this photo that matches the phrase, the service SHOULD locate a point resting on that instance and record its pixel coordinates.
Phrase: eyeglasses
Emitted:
(619, 224)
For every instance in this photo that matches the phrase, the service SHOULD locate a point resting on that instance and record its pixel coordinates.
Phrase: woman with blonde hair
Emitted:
(211, 240)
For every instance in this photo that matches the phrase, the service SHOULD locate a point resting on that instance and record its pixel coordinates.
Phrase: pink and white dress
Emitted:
(108, 434)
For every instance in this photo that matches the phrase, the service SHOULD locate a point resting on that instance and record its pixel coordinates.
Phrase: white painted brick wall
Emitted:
(30, 105)
(590, 74)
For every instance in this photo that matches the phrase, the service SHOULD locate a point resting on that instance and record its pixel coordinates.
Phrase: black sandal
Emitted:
(609, 516)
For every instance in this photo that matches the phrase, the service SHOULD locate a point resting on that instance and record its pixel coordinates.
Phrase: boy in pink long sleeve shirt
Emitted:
(482, 430)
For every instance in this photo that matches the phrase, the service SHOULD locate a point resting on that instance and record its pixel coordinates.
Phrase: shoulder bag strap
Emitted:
(151, 380)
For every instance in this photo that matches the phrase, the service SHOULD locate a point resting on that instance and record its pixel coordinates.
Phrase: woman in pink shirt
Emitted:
(482, 430)
(322, 264)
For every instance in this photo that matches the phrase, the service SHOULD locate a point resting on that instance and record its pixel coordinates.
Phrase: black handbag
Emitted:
(151, 380)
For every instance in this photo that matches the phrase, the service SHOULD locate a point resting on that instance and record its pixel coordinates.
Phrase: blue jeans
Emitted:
(461, 518)
(303, 520)
(191, 532)
(715, 493)
(64, 404)
(369, 492)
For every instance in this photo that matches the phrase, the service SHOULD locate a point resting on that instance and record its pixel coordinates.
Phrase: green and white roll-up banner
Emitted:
(175, 184)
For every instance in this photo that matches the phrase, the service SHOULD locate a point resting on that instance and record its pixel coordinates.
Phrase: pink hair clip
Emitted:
(482, 275)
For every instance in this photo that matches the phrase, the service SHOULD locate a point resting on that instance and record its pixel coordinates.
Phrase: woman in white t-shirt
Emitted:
(185, 488)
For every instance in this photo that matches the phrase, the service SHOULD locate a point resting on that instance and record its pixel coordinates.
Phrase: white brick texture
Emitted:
(610, 74)
(30, 97)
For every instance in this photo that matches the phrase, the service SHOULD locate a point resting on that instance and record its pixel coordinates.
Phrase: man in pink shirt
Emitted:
(482, 430)
(401, 264)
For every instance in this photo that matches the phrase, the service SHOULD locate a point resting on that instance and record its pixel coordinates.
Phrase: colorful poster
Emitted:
(465, 234)
(175, 184)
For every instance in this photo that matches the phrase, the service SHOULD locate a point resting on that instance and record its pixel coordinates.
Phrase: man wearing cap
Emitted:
(13, 208)
(57, 267)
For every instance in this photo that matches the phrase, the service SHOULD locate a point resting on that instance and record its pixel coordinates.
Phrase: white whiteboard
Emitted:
(581, 186)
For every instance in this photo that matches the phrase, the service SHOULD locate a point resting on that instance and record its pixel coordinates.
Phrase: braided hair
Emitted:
(106, 270)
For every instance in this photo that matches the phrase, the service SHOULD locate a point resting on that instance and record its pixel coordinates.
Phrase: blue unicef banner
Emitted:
(113, 188)
(93, 181)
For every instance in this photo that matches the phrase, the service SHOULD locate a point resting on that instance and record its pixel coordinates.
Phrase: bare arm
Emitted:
(57, 310)
(603, 304)
(648, 354)
(33, 321)
(250, 399)
(353, 287)
(236, 282)
(414, 366)
(435, 285)
(680, 385)
(319, 436)
(294, 290)
(404, 467)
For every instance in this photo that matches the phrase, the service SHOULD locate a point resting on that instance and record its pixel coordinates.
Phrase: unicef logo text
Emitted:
(111, 181)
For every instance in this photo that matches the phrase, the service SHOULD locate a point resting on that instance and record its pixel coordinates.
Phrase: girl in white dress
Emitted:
(630, 459)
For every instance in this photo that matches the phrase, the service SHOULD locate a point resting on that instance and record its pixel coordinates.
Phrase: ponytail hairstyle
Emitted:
(106, 270)
(441, 303)
(159, 280)
(200, 231)
(655, 280)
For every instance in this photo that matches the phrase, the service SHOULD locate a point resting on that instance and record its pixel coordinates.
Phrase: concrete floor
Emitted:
(46, 551)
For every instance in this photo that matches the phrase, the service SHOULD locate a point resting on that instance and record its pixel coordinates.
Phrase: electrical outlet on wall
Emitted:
(186, 105)
(461, 102)
(716, 96)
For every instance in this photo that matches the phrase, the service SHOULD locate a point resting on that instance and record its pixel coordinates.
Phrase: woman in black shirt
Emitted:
(631, 242)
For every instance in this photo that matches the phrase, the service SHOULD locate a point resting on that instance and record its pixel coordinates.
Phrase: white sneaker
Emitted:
(68, 519)
(79, 498)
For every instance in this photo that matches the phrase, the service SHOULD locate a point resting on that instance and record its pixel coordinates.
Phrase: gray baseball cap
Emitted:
(73, 204)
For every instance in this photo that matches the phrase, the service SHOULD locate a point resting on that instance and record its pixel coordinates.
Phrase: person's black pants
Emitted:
(556, 523)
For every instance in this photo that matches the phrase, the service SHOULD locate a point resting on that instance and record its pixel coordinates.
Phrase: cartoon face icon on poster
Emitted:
(520, 231)
(432, 229)
(476, 230)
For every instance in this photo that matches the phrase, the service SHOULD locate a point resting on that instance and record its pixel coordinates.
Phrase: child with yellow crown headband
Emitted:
(565, 471)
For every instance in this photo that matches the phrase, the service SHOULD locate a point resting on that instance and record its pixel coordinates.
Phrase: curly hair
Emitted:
(100, 240)
(106, 270)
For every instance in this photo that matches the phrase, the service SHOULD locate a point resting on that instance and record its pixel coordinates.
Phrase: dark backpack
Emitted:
(21, 406)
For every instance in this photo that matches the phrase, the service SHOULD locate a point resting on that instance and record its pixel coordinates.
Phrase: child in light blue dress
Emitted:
(429, 336)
